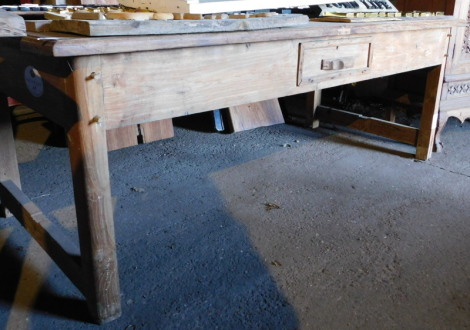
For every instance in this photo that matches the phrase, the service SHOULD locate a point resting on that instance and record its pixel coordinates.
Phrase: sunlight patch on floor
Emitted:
(33, 274)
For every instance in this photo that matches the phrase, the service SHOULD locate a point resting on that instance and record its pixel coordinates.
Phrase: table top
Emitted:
(11, 25)
(68, 45)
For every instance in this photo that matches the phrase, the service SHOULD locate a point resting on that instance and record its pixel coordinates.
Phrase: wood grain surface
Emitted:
(11, 25)
(122, 27)
(63, 45)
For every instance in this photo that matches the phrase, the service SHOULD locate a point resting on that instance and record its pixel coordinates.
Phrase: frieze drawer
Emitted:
(330, 59)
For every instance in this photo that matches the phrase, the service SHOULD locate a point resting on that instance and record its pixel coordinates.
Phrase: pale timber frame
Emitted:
(91, 85)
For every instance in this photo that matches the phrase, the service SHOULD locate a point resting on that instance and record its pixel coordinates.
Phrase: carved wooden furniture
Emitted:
(91, 85)
(455, 99)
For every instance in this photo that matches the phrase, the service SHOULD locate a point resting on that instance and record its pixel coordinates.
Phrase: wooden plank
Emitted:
(157, 130)
(37, 25)
(11, 25)
(8, 161)
(214, 6)
(354, 19)
(122, 137)
(92, 191)
(252, 115)
(196, 79)
(93, 2)
(50, 237)
(397, 132)
(131, 27)
(128, 136)
(63, 45)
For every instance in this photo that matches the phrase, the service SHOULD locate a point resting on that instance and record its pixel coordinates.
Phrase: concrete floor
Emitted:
(273, 228)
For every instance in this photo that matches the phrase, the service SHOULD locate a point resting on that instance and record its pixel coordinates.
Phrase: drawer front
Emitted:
(329, 59)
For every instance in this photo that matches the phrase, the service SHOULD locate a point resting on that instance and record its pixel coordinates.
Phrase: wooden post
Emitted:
(313, 101)
(8, 161)
(300, 109)
(89, 161)
(429, 116)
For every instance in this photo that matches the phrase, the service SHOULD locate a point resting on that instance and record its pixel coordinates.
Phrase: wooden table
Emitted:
(90, 85)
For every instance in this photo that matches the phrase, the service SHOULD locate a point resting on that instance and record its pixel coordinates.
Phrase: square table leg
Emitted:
(429, 116)
(89, 162)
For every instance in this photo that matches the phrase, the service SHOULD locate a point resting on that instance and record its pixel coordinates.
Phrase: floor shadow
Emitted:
(41, 131)
(13, 264)
(63, 307)
(370, 144)
(184, 261)
(9, 276)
